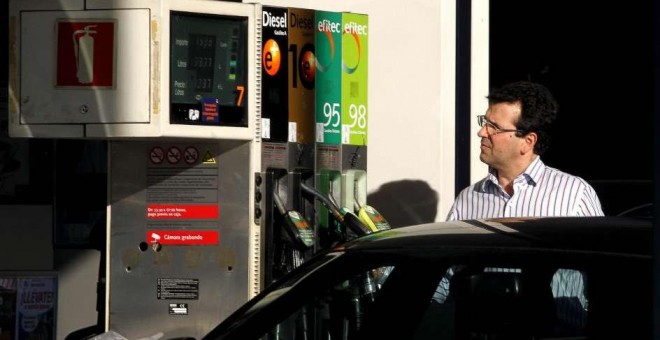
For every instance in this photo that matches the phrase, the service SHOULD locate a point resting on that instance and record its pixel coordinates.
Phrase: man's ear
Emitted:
(529, 140)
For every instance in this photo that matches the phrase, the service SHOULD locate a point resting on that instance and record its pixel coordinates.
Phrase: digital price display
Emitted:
(208, 57)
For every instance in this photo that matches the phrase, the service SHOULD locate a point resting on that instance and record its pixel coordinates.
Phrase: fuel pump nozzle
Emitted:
(369, 215)
(295, 225)
(347, 219)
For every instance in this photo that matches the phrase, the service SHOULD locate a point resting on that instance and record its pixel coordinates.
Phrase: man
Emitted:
(514, 133)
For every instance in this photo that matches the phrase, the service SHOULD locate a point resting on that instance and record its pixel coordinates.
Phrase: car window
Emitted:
(337, 312)
(419, 300)
(506, 302)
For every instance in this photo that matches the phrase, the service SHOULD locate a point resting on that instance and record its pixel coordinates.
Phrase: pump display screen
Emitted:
(208, 57)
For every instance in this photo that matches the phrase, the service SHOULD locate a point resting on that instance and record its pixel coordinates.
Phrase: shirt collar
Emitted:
(534, 171)
(532, 174)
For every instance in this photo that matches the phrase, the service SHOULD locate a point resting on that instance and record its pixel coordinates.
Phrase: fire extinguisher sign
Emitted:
(85, 53)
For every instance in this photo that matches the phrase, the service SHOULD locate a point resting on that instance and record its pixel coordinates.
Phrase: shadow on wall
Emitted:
(405, 202)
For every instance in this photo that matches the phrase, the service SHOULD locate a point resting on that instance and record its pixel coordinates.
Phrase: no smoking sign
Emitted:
(174, 155)
(191, 155)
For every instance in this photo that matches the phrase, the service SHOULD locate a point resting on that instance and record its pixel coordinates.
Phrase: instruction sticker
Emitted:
(177, 289)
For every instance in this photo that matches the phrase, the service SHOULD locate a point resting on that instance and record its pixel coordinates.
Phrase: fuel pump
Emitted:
(287, 133)
(172, 87)
(341, 141)
(341, 117)
(289, 236)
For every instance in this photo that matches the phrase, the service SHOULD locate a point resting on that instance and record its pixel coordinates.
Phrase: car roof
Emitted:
(616, 235)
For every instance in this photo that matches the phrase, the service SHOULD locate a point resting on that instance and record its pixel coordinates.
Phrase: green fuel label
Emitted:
(328, 45)
(354, 79)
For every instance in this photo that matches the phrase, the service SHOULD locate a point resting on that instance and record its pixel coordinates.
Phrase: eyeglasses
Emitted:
(492, 128)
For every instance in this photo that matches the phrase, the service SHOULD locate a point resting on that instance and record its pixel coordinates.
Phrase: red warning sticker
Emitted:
(85, 52)
(183, 237)
(178, 211)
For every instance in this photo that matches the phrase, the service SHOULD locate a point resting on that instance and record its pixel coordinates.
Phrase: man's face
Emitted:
(499, 148)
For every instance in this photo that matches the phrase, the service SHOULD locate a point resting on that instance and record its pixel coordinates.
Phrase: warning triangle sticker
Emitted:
(208, 158)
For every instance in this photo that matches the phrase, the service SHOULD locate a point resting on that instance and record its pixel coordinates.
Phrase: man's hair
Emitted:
(538, 109)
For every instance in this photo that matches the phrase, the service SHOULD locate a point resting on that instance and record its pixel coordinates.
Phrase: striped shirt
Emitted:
(539, 191)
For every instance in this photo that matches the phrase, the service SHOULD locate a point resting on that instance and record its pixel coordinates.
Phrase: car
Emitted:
(508, 278)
